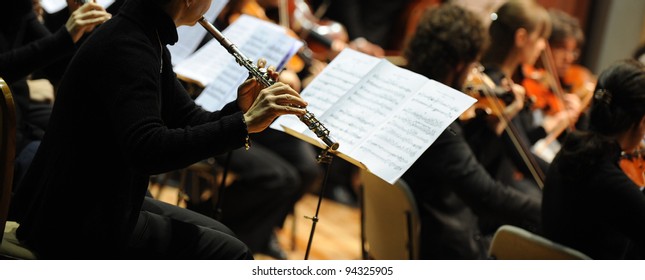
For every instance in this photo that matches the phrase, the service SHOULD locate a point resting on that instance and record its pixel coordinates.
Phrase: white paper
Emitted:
(213, 67)
(53, 6)
(190, 37)
(382, 116)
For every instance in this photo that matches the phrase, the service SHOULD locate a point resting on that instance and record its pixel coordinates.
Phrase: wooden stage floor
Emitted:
(337, 234)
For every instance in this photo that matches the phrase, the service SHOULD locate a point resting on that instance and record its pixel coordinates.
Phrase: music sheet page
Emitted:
(382, 115)
(213, 67)
(53, 6)
(338, 78)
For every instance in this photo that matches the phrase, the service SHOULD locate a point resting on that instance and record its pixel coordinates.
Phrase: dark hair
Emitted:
(618, 105)
(446, 36)
(640, 51)
(564, 26)
(510, 17)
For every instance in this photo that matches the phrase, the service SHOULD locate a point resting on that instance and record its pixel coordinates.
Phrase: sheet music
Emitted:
(190, 37)
(340, 76)
(215, 68)
(416, 124)
(53, 6)
(383, 116)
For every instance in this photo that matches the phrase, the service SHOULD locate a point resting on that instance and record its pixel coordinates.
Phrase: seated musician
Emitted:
(556, 84)
(453, 190)
(26, 46)
(518, 34)
(589, 203)
(138, 121)
(566, 40)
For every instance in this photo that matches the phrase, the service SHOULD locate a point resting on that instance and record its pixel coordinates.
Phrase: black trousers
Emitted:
(165, 231)
(299, 154)
(260, 197)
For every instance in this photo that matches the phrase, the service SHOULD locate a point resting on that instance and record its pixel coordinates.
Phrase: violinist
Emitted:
(453, 190)
(559, 88)
(559, 85)
(518, 34)
(566, 40)
(589, 203)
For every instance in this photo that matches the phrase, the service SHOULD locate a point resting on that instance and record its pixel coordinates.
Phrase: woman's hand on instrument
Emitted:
(248, 91)
(272, 102)
(516, 106)
(85, 18)
(573, 105)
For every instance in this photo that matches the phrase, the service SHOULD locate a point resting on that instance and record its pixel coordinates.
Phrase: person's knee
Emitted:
(218, 245)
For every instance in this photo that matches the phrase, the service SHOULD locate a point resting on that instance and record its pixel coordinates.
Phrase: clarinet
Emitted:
(263, 76)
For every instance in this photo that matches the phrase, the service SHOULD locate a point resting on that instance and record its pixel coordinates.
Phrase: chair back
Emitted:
(7, 151)
(514, 243)
(390, 220)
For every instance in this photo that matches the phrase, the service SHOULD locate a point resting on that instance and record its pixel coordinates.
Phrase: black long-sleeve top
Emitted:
(120, 116)
(453, 190)
(599, 211)
(499, 154)
(25, 47)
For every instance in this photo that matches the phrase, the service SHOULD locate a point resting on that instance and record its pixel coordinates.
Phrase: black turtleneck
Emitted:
(120, 116)
(589, 204)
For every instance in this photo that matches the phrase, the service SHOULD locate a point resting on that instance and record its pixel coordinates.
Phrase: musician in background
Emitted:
(590, 204)
(368, 23)
(453, 190)
(577, 82)
(518, 34)
(566, 40)
(26, 46)
(137, 121)
(558, 88)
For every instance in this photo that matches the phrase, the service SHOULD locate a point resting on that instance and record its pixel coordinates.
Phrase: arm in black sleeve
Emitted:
(20, 62)
(155, 139)
(478, 189)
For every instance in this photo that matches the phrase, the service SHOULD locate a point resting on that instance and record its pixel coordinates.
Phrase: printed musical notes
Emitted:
(213, 67)
(383, 116)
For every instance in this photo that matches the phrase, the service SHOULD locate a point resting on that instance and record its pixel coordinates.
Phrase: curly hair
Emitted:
(447, 35)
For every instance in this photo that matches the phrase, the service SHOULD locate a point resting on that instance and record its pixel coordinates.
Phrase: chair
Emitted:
(390, 225)
(514, 243)
(10, 247)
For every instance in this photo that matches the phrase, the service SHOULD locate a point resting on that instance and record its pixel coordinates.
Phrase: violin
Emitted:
(633, 166)
(538, 90)
(494, 100)
(491, 99)
(579, 80)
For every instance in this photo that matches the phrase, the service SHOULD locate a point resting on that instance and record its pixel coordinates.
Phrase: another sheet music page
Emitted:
(213, 67)
(383, 116)
(53, 6)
